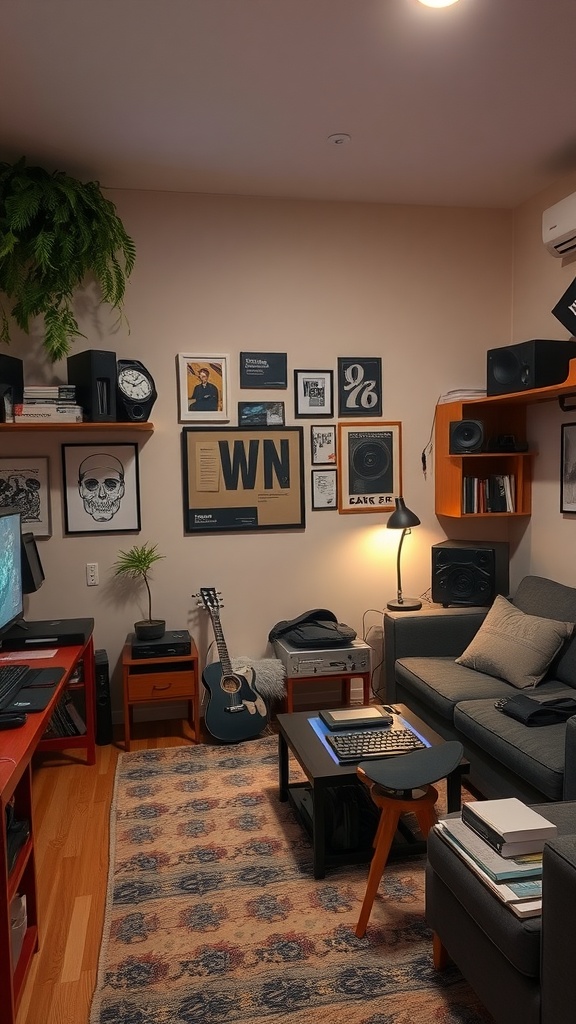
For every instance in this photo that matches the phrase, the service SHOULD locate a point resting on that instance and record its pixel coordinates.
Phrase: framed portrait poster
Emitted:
(203, 388)
(24, 485)
(101, 488)
(568, 468)
(313, 393)
(260, 414)
(242, 478)
(359, 386)
(263, 370)
(324, 494)
(323, 445)
(369, 466)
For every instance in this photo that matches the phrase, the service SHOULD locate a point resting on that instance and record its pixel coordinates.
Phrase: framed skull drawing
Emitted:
(101, 488)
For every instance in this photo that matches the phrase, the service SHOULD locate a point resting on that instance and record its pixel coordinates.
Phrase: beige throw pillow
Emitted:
(514, 646)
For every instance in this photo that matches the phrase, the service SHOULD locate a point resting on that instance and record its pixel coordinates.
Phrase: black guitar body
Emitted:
(235, 710)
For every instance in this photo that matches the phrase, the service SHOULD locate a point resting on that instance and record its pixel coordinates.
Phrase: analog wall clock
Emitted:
(135, 390)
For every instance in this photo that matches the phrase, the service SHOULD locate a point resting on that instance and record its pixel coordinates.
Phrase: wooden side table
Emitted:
(153, 680)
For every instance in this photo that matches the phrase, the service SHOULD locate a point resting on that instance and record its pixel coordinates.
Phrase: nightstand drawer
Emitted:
(161, 686)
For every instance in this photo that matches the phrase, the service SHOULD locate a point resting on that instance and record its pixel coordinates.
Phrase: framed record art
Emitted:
(369, 466)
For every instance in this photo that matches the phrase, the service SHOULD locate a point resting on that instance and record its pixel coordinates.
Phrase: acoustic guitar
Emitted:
(235, 710)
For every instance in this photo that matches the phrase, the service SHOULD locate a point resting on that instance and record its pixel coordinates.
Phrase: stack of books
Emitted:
(48, 403)
(496, 493)
(66, 720)
(502, 842)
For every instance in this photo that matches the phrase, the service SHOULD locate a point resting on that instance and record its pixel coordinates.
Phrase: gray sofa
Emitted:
(506, 757)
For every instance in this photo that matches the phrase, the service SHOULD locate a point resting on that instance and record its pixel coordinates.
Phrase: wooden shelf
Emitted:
(77, 428)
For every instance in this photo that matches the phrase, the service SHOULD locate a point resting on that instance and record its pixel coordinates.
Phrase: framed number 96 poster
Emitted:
(359, 386)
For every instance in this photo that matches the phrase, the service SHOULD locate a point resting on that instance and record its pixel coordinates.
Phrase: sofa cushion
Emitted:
(440, 683)
(515, 646)
(539, 596)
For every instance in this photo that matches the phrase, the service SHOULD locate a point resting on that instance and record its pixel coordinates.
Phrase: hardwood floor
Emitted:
(71, 821)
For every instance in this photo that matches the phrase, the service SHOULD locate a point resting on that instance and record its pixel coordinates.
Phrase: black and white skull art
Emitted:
(101, 486)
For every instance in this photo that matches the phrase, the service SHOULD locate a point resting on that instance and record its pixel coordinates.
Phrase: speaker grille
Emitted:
(469, 573)
(466, 436)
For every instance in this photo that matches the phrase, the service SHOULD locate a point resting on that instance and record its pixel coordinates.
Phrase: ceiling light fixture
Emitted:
(340, 139)
(438, 3)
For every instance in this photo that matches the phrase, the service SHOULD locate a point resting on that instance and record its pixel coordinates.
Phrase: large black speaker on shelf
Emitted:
(94, 374)
(103, 702)
(531, 364)
(469, 573)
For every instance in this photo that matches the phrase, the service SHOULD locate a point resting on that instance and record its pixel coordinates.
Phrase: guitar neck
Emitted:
(221, 644)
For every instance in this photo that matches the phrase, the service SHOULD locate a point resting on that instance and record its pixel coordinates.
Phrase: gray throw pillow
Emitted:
(514, 646)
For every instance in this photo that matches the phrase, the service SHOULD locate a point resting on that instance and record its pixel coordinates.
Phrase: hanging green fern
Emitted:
(54, 230)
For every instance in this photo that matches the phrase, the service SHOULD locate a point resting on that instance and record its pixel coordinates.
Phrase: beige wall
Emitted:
(427, 289)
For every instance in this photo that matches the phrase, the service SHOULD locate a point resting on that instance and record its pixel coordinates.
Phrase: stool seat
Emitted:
(415, 769)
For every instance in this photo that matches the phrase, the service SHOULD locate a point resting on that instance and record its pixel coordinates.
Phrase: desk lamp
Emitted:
(402, 519)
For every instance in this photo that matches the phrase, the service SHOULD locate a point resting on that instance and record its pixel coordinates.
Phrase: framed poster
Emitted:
(101, 488)
(313, 390)
(263, 370)
(323, 445)
(568, 468)
(369, 466)
(242, 478)
(359, 386)
(203, 388)
(24, 485)
(324, 495)
(260, 414)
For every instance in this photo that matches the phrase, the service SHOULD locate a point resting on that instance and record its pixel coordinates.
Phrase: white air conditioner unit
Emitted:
(559, 227)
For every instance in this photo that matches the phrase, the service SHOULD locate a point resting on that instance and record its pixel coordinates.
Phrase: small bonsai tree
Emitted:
(54, 230)
(136, 564)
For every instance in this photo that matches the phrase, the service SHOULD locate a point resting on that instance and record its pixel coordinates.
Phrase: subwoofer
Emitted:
(531, 364)
(469, 573)
(466, 436)
(94, 374)
(103, 703)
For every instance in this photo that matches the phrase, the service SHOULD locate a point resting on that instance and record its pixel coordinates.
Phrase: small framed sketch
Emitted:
(323, 445)
(369, 466)
(568, 468)
(263, 370)
(262, 414)
(359, 386)
(101, 488)
(324, 492)
(313, 393)
(24, 485)
(203, 387)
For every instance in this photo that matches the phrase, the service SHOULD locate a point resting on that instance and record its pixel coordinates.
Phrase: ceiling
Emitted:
(468, 105)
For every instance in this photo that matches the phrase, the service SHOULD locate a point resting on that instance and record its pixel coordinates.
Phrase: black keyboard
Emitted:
(12, 679)
(362, 744)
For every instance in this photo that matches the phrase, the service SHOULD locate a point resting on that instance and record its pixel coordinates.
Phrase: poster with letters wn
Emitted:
(242, 478)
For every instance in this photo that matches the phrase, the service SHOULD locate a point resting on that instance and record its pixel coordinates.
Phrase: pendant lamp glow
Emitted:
(438, 3)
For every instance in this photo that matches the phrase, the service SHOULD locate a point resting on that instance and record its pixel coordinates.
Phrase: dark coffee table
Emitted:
(297, 736)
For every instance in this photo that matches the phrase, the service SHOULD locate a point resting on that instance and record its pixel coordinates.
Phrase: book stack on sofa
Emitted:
(502, 841)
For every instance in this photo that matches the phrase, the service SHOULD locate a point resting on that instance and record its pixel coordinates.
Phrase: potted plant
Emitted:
(54, 230)
(136, 564)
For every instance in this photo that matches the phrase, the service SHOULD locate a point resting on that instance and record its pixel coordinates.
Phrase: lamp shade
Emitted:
(402, 518)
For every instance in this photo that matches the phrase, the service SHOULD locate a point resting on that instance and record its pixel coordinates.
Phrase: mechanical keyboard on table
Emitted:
(362, 744)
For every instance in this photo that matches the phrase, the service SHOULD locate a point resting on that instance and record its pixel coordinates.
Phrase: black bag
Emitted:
(537, 712)
(316, 628)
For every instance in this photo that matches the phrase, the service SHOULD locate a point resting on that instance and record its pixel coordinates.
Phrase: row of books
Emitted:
(502, 842)
(66, 720)
(495, 493)
(40, 412)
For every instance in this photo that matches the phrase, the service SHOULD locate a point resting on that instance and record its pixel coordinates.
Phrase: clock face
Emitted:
(134, 385)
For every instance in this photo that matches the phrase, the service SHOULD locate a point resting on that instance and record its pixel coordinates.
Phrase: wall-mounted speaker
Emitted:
(466, 436)
(103, 703)
(531, 364)
(469, 573)
(94, 374)
(370, 464)
(12, 375)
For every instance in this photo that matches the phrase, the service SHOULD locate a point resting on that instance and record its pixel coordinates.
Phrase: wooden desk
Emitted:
(17, 747)
(154, 680)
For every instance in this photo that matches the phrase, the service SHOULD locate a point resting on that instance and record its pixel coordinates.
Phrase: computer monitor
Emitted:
(32, 571)
(11, 593)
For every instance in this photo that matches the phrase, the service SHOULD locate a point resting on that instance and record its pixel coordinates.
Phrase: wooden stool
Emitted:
(402, 785)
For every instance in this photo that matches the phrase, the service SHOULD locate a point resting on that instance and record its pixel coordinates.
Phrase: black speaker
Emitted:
(466, 436)
(370, 463)
(531, 364)
(469, 573)
(12, 375)
(94, 374)
(103, 703)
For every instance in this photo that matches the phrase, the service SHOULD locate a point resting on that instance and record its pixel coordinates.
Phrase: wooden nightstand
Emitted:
(157, 680)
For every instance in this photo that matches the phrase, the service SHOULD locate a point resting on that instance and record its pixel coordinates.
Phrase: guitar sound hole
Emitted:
(230, 684)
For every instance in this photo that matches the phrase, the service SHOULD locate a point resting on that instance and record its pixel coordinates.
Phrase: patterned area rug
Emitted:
(213, 915)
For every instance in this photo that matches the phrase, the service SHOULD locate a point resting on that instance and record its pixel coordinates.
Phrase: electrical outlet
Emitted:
(92, 574)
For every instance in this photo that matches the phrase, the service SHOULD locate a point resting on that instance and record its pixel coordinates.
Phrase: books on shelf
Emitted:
(498, 868)
(66, 720)
(49, 393)
(509, 826)
(495, 493)
(47, 413)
